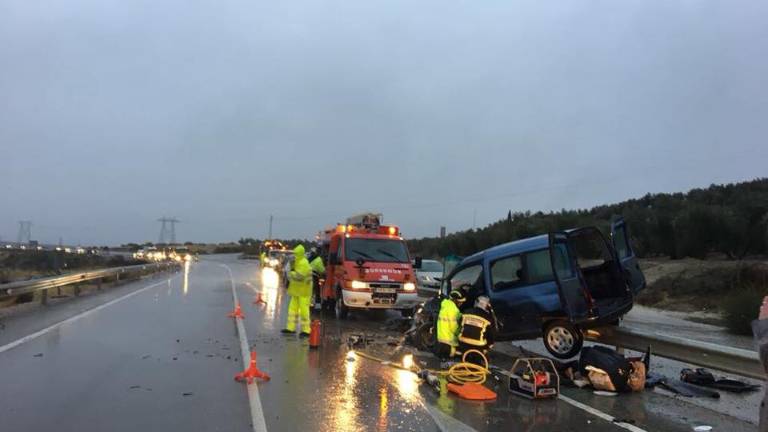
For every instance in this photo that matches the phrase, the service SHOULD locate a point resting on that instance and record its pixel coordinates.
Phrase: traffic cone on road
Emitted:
(237, 313)
(314, 334)
(251, 372)
(259, 299)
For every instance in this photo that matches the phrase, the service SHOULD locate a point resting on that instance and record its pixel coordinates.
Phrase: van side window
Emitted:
(507, 273)
(562, 262)
(538, 266)
(466, 276)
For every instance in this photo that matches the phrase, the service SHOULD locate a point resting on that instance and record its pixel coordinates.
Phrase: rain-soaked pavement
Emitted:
(163, 358)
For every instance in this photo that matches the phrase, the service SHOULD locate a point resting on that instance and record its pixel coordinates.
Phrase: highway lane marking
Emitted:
(39, 333)
(597, 413)
(445, 422)
(257, 413)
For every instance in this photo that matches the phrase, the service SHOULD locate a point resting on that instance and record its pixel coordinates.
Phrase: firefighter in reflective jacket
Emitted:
(318, 272)
(300, 291)
(478, 328)
(448, 320)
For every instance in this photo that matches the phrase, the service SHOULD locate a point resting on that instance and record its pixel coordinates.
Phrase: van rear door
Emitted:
(573, 294)
(626, 255)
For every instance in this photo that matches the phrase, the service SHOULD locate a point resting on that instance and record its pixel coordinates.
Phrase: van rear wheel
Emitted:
(562, 339)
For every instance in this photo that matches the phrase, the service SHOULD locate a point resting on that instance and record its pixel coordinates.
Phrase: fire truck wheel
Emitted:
(341, 309)
(328, 305)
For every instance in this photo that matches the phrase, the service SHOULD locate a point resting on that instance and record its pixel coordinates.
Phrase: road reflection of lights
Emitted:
(383, 408)
(408, 361)
(344, 402)
(186, 277)
(270, 282)
(407, 384)
(269, 279)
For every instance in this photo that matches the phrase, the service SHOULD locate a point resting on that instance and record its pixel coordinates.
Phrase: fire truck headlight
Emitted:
(409, 286)
(356, 284)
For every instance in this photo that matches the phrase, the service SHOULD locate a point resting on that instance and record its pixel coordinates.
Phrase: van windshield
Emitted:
(376, 250)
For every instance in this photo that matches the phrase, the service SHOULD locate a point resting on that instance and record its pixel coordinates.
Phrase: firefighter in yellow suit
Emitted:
(300, 291)
(448, 325)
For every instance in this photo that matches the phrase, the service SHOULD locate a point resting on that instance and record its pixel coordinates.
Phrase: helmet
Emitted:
(483, 302)
(457, 296)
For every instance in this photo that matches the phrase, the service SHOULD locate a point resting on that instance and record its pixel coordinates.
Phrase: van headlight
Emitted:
(356, 284)
(409, 286)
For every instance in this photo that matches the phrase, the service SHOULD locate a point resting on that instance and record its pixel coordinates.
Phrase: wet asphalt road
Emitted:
(164, 359)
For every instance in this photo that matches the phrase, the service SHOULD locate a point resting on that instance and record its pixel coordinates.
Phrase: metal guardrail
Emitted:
(43, 284)
(727, 359)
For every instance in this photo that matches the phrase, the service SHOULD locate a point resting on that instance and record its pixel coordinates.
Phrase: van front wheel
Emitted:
(562, 339)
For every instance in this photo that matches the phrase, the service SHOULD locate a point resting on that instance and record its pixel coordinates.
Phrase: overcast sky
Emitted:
(115, 113)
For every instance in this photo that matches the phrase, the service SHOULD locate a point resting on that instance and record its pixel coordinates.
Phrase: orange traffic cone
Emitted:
(314, 334)
(252, 372)
(237, 313)
(259, 299)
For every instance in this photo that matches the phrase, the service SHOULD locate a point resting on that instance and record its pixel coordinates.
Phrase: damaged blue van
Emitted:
(554, 285)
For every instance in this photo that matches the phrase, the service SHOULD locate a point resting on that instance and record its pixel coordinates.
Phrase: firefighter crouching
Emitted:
(448, 321)
(478, 329)
(300, 291)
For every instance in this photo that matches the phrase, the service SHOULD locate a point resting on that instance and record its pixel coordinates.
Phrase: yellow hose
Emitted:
(460, 373)
(466, 372)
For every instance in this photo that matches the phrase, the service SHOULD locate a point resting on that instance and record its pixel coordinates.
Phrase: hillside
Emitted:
(729, 220)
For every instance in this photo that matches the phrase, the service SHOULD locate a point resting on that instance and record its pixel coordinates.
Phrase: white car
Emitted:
(430, 274)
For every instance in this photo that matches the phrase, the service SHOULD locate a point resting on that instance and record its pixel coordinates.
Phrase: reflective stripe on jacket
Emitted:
(473, 328)
(448, 323)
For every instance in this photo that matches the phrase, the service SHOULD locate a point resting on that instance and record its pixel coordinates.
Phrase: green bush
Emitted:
(741, 308)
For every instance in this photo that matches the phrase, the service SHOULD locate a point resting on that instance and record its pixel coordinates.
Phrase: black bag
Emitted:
(614, 364)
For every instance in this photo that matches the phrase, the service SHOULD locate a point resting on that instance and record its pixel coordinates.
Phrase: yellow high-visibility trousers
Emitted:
(298, 310)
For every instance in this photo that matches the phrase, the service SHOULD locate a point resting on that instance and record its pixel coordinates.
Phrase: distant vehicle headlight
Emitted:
(356, 284)
(409, 286)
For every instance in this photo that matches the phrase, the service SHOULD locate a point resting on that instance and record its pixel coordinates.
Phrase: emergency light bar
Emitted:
(382, 229)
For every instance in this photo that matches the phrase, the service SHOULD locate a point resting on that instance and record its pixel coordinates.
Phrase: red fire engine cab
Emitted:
(368, 267)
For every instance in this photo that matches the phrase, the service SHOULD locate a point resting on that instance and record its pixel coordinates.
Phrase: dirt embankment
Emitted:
(712, 291)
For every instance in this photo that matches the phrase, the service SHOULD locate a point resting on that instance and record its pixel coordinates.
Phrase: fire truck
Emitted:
(368, 267)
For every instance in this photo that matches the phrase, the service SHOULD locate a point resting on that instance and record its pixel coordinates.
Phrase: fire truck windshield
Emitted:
(376, 250)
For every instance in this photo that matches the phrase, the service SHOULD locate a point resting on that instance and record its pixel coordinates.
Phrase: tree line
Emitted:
(730, 220)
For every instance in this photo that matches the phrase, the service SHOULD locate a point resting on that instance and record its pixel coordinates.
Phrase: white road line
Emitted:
(445, 422)
(37, 334)
(597, 413)
(257, 413)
